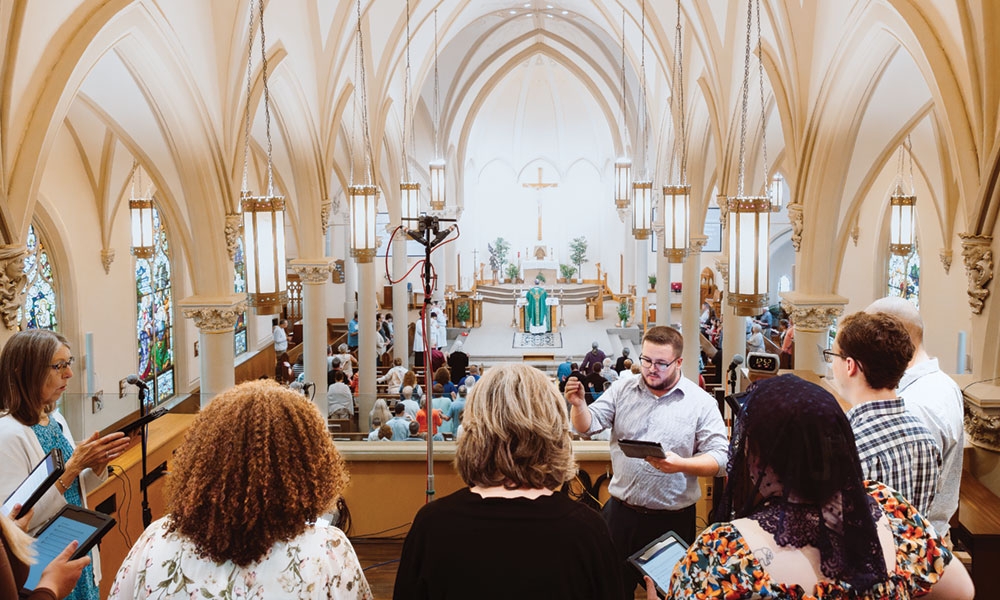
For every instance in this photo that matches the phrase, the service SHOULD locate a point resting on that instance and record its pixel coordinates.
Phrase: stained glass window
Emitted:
(154, 323)
(904, 276)
(39, 308)
(240, 287)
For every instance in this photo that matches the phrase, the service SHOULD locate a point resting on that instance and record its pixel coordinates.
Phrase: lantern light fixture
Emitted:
(676, 199)
(623, 166)
(437, 166)
(140, 210)
(409, 190)
(364, 207)
(642, 188)
(902, 208)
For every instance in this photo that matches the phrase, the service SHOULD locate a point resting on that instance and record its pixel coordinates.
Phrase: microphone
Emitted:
(134, 380)
(417, 236)
(440, 237)
(737, 360)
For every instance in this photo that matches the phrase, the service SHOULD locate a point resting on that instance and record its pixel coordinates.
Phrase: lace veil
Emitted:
(793, 468)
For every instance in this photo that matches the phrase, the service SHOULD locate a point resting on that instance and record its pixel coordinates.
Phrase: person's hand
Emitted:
(574, 393)
(650, 588)
(671, 464)
(62, 573)
(96, 452)
(23, 522)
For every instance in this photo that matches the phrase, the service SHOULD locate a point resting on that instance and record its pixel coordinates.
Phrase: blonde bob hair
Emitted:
(515, 432)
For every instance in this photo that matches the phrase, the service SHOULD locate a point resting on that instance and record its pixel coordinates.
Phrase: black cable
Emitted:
(126, 503)
(980, 381)
(381, 564)
(372, 535)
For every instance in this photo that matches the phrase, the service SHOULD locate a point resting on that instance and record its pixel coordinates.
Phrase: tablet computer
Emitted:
(658, 559)
(641, 448)
(34, 486)
(70, 523)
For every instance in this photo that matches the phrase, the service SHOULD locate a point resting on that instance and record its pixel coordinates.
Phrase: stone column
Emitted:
(691, 307)
(215, 317)
(812, 316)
(12, 282)
(400, 310)
(314, 274)
(366, 342)
(734, 328)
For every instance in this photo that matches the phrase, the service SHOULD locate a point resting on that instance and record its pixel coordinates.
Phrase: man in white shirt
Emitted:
(281, 335)
(935, 399)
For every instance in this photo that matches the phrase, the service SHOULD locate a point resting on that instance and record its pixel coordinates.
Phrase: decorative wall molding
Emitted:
(107, 257)
(234, 230)
(983, 429)
(978, 257)
(796, 218)
(723, 204)
(813, 314)
(696, 243)
(214, 315)
(12, 281)
(946, 255)
(855, 233)
(722, 266)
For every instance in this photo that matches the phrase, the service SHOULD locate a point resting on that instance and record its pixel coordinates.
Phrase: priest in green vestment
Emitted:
(536, 312)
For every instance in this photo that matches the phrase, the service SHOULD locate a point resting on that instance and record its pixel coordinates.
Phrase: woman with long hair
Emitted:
(35, 369)
(256, 470)
(799, 521)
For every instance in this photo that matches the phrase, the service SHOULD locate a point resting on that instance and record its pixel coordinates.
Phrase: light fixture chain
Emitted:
(679, 94)
(437, 91)
(406, 96)
(623, 83)
(763, 107)
(645, 108)
(909, 150)
(369, 156)
(267, 101)
(745, 98)
(246, 113)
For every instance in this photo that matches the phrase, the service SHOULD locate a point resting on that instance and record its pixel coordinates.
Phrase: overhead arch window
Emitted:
(154, 322)
(39, 308)
(904, 275)
(240, 287)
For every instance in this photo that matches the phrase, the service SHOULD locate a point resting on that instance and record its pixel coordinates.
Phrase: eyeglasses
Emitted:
(63, 364)
(829, 354)
(648, 363)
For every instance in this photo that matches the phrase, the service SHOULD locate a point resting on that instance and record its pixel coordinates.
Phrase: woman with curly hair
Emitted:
(501, 536)
(256, 470)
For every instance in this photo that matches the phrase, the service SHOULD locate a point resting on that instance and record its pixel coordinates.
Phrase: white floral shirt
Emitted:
(319, 563)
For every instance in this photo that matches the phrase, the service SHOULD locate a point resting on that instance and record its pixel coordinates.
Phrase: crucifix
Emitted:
(539, 186)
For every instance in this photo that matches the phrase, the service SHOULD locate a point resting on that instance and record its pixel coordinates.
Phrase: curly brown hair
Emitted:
(256, 466)
(515, 431)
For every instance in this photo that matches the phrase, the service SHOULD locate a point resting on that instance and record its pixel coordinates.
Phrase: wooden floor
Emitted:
(380, 559)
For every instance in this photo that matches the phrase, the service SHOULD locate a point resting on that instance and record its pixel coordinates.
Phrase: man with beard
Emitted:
(652, 496)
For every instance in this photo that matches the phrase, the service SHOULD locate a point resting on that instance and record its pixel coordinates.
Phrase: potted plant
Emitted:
(578, 254)
(567, 271)
(512, 272)
(652, 282)
(623, 312)
(498, 255)
(463, 313)
(540, 278)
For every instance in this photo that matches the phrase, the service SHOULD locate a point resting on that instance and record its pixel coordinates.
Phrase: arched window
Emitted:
(39, 309)
(240, 287)
(904, 276)
(154, 323)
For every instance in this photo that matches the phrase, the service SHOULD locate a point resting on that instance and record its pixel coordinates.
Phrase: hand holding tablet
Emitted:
(641, 449)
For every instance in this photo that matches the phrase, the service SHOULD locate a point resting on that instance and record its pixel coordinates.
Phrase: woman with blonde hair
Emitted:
(256, 470)
(514, 453)
(379, 412)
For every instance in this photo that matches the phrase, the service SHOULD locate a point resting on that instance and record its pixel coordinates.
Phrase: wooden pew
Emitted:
(977, 526)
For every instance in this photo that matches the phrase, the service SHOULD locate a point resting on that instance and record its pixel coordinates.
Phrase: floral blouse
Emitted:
(720, 564)
(319, 563)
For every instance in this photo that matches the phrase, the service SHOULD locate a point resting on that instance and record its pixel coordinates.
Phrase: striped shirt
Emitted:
(897, 449)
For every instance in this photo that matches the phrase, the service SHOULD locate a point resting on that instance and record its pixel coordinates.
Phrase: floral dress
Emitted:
(51, 436)
(720, 564)
(319, 563)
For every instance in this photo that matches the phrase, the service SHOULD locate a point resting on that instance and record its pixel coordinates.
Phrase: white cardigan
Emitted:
(20, 451)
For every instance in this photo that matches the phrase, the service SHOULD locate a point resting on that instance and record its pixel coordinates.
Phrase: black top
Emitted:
(458, 362)
(466, 546)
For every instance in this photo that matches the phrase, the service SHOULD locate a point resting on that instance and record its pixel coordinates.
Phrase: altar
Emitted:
(530, 269)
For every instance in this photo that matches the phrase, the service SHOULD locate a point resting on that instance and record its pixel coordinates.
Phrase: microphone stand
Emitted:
(147, 514)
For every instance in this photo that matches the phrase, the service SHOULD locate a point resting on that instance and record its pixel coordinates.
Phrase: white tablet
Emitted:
(34, 486)
(658, 559)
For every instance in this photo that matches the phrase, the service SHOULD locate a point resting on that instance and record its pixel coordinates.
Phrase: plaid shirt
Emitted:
(897, 449)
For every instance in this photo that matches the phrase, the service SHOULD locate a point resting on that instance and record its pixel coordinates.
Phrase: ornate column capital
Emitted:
(978, 256)
(107, 257)
(233, 230)
(623, 214)
(312, 270)
(325, 210)
(814, 313)
(722, 201)
(214, 314)
(12, 281)
(722, 266)
(795, 216)
(982, 412)
(696, 243)
(946, 255)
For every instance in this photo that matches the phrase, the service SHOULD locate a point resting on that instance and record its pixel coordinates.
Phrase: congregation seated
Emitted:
(339, 399)
(282, 472)
(399, 424)
(510, 525)
(798, 519)
(408, 403)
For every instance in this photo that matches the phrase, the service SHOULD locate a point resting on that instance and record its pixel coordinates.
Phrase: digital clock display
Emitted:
(768, 363)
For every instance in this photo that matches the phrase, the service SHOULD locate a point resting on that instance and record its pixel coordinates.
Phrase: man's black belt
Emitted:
(649, 511)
